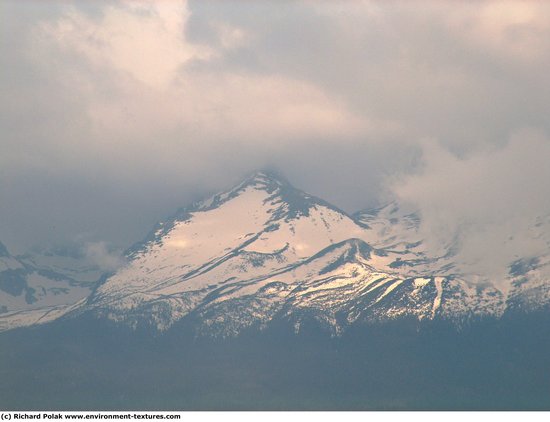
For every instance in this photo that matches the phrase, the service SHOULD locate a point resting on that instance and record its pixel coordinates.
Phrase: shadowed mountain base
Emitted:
(86, 365)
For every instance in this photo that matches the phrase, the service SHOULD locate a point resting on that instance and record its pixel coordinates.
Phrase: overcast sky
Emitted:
(114, 114)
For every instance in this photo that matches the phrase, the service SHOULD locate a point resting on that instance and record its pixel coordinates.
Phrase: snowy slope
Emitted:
(394, 229)
(26, 286)
(260, 227)
(526, 285)
(529, 275)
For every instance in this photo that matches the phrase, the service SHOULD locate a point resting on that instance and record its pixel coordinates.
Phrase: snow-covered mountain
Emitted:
(265, 251)
(33, 286)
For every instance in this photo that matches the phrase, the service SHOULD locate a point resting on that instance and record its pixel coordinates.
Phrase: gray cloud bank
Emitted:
(113, 114)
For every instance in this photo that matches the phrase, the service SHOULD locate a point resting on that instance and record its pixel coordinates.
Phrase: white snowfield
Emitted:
(265, 250)
(35, 316)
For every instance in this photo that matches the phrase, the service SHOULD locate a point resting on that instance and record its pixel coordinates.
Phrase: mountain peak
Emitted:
(276, 185)
(263, 179)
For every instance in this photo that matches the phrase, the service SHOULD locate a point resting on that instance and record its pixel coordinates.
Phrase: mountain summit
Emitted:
(264, 252)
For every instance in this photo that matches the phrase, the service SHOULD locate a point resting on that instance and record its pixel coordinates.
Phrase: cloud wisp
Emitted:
(493, 202)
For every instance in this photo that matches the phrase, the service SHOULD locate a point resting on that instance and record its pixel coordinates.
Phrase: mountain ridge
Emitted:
(263, 250)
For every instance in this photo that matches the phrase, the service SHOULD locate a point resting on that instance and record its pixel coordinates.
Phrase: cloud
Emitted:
(491, 201)
(98, 253)
(465, 73)
(157, 90)
(512, 29)
(141, 40)
(128, 94)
